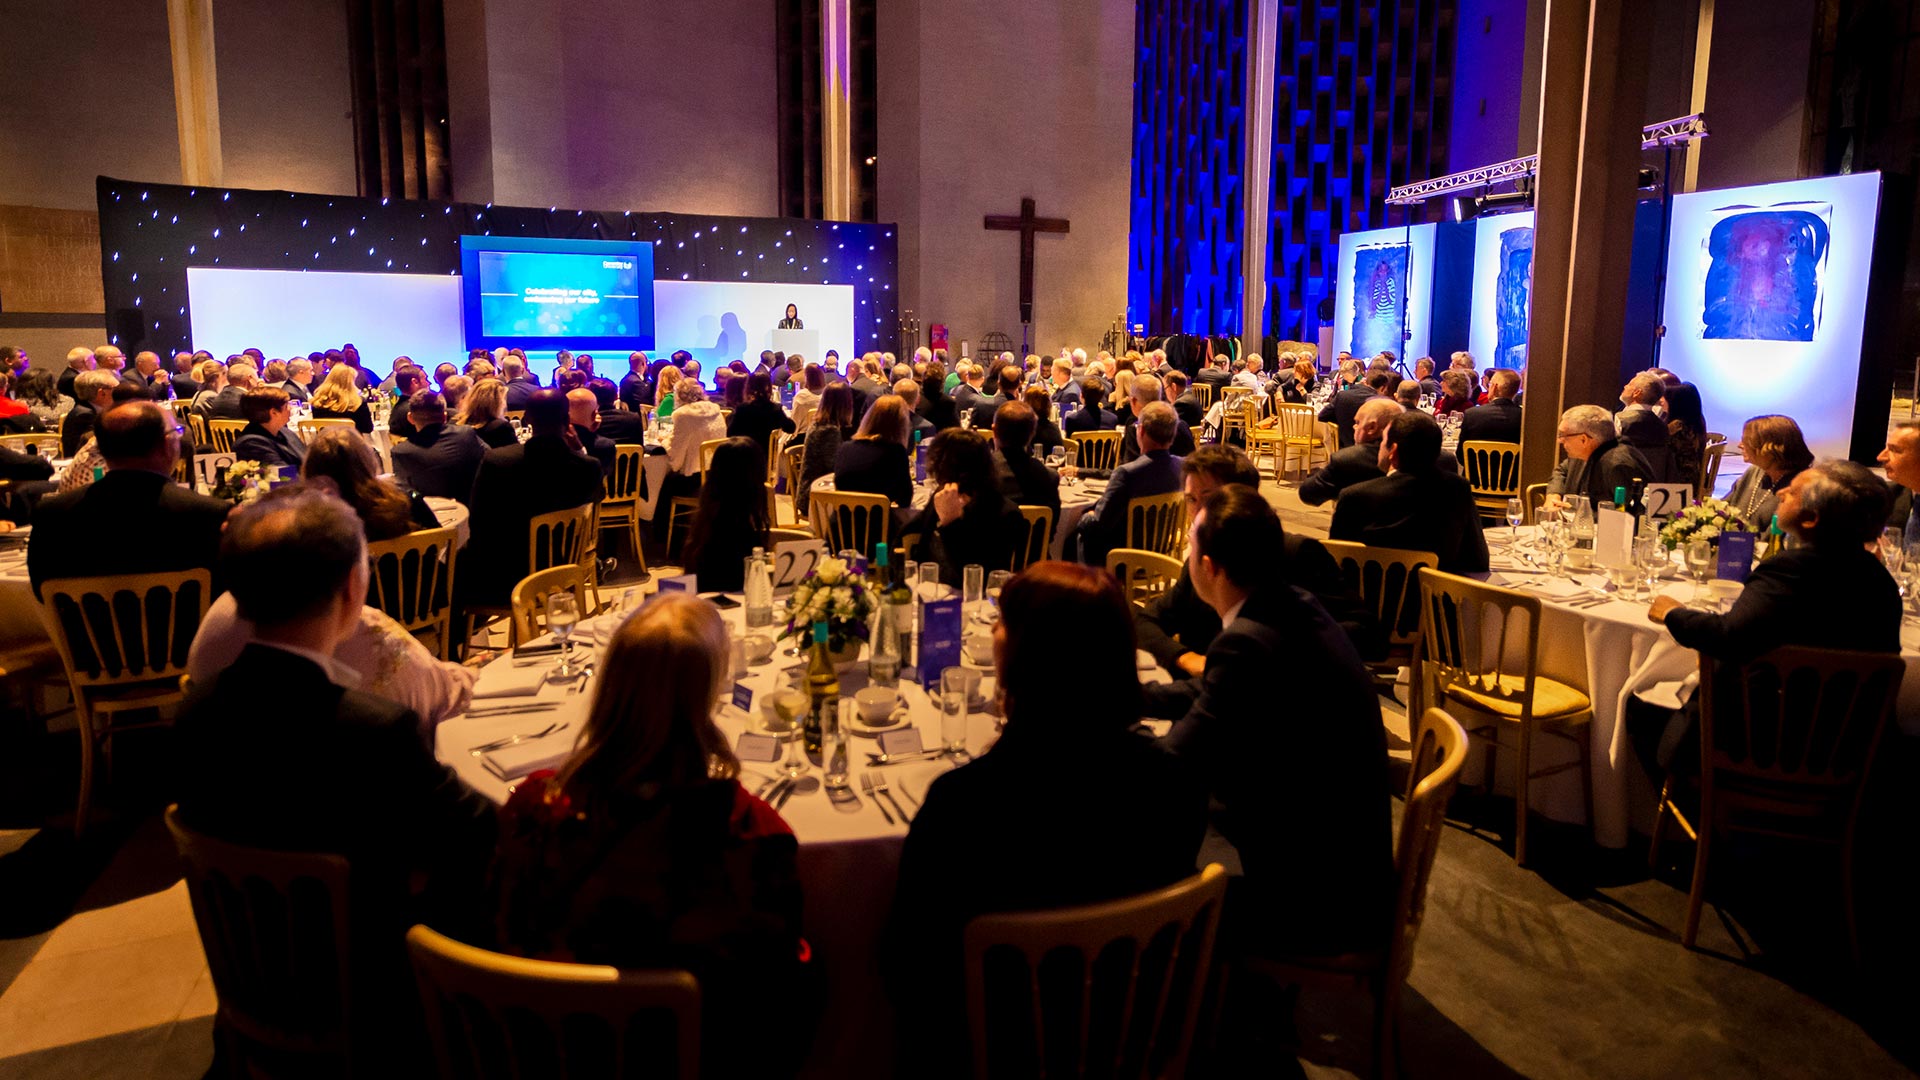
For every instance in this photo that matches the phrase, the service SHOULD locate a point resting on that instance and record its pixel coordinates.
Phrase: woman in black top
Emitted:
(968, 521)
(732, 518)
(339, 399)
(485, 411)
(832, 425)
(935, 405)
(792, 320)
(1046, 433)
(875, 460)
(760, 416)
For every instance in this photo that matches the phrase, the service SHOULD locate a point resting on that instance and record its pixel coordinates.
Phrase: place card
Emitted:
(1667, 500)
(743, 698)
(752, 747)
(1736, 556)
(940, 622)
(901, 743)
(1613, 538)
(687, 583)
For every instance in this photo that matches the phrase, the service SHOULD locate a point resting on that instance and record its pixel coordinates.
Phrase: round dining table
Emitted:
(1077, 496)
(1596, 640)
(849, 841)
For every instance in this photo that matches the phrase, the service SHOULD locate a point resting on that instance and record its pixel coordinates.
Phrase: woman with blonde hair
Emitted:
(666, 402)
(644, 850)
(339, 398)
(485, 410)
(1122, 398)
(875, 461)
(1775, 452)
(212, 377)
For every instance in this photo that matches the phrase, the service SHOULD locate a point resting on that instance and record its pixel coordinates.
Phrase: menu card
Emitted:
(1736, 556)
(1613, 538)
(683, 583)
(939, 639)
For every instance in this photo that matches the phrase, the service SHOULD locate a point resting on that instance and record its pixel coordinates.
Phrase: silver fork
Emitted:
(866, 784)
(880, 785)
(511, 740)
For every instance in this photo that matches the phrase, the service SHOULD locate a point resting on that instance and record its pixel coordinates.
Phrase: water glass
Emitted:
(997, 581)
(956, 691)
(929, 587)
(1516, 513)
(1057, 456)
(1700, 565)
(563, 614)
(973, 584)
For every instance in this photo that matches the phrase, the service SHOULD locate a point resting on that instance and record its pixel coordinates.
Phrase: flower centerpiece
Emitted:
(831, 593)
(245, 481)
(1706, 519)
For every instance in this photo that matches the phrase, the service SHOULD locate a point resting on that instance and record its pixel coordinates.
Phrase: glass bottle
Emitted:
(823, 692)
(758, 585)
(883, 649)
(1776, 539)
(837, 752)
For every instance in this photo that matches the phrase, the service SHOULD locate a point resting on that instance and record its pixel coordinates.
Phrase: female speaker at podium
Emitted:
(792, 320)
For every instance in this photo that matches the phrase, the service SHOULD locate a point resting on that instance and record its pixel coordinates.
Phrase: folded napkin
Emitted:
(514, 762)
(509, 680)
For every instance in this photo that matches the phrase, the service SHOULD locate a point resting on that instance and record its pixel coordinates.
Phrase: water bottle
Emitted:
(759, 589)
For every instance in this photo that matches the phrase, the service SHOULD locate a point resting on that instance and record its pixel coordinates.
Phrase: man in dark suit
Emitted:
(184, 384)
(266, 438)
(967, 394)
(1092, 415)
(514, 484)
(438, 458)
(1301, 777)
(1423, 373)
(144, 373)
(1215, 375)
(84, 533)
(79, 359)
(1830, 590)
(1146, 390)
(1177, 626)
(909, 392)
(299, 383)
(1902, 460)
(583, 412)
(1344, 405)
(1007, 386)
(225, 405)
(1063, 388)
(1185, 404)
(520, 389)
(1499, 419)
(1355, 464)
(406, 382)
(1598, 462)
(262, 746)
(1155, 472)
(866, 388)
(1022, 479)
(1416, 506)
(92, 396)
(635, 390)
(617, 425)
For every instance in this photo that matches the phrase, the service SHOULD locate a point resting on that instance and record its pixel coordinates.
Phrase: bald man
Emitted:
(1357, 463)
(583, 412)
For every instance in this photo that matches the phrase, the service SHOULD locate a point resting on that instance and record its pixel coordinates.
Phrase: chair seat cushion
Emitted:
(1552, 699)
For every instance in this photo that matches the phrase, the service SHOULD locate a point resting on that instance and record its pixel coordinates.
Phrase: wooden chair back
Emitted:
(849, 519)
(1131, 972)
(1710, 458)
(706, 456)
(1439, 755)
(1158, 523)
(277, 932)
(1203, 395)
(197, 427)
(1803, 726)
(1478, 636)
(309, 428)
(1098, 450)
(629, 469)
(1536, 495)
(494, 1015)
(1143, 575)
(1039, 537)
(1387, 580)
(1492, 471)
(561, 538)
(645, 413)
(126, 628)
(412, 581)
(528, 599)
(224, 432)
(519, 416)
(44, 443)
(782, 536)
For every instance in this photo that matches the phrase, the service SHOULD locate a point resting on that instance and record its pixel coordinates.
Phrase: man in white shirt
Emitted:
(1251, 376)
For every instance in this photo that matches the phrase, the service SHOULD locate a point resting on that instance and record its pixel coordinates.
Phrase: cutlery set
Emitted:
(776, 790)
(515, 740)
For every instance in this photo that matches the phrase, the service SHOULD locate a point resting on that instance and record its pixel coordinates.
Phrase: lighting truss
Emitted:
(1667, 133)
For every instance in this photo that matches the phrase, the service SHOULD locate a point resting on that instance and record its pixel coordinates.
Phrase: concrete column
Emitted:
(1256, 171)
(836, 109)
(196, 95)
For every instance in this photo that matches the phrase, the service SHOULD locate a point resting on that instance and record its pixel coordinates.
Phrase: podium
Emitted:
(804, 342)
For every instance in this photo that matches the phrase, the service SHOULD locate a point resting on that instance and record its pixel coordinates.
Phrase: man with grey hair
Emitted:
(92, 396)
(1146, 391)
(1901, 457)
(1642, 426)
(1155, 472)
(1250, 374)
(909, 392)
(184, 384)
(79, 359)
(1597, 461)
(1341, 409)
(143, 374)
(1355, 464)
(299, 383)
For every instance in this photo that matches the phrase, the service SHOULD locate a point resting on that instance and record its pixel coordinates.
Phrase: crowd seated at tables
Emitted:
(643, 849)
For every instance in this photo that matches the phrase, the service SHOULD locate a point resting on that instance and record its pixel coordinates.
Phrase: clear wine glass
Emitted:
(1057, 456)
(1650, 555)
(1700, 564)
(1516, 513)
(563, 614)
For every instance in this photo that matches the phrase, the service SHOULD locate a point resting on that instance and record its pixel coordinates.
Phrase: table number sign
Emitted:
(939, 639)
(1736, 556)
(1667, 500)
(795, 559)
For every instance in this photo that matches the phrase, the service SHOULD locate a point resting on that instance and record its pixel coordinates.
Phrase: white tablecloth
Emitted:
(1613, 651)
(19, 611)
(849, 854)
(452, 515)
(1076, 498)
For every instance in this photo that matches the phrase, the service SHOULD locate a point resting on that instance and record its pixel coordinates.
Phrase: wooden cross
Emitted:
(1026, 224)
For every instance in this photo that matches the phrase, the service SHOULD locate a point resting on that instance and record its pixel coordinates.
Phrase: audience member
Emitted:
(185, 386)
(1008, 383)
(36, 391)
(1641, 426)
(1155, 472)
(406, 380)
(79, 359)
(909, 391)
(340, 399)
(1686, 434)
(813, 383)
(519, 385)
(1301, 792)
(344, 458)
(439, 458)
(583, 412)
(1597, 462)
(517, 483)
(1092, 415)
(1063, 389)
(1423, 373)
(1145, 390)
(1355, 464)
(216, 400)
(1214, 374)
(875, 460)
(695, 420)
(16, 416)
(669, 379)
(733, 517)
(759, 417)
(1456, 394)
(1499, 419)
(635, 389)
(1024, 479)
(972, 851)
(1775, 453)
(618, 426)
(92, 396)
(485, 411)
(267, 439)
(1342, 407)
(968, 521)
(1416, 506)
(1251, 375)
(1046, 434)
(832, 425)
(935, 403)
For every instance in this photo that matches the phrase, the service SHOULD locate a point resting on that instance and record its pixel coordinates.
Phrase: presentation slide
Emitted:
(545, 293)
(1384, 298)
(288, 312)
(1767, 298)
(1502, 291)
(722, 321)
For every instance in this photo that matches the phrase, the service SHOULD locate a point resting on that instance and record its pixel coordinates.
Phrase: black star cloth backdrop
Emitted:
(151, 233)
